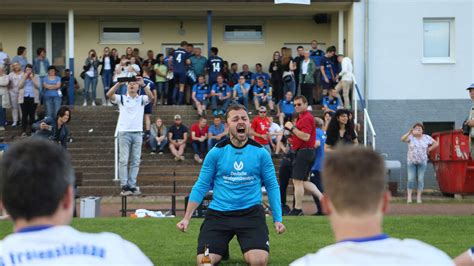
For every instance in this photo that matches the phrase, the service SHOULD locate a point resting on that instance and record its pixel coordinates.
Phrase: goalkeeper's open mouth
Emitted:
(241, 129)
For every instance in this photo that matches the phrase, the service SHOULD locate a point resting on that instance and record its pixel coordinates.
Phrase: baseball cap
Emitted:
(470, 87)
(262, 109)
(177, 117)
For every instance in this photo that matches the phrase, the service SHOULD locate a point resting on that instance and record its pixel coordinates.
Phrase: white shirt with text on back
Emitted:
(379, 250)
(64, 245)
(131, 112)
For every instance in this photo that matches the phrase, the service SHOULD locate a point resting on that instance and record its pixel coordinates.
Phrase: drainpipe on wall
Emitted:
(366, 53)
(70, 24)
(209, 32)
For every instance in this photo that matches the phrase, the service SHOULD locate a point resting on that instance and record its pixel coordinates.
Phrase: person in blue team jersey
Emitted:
(215, 65)
(315, 176)
(327, 70)
(331, 103)
(315, 53)
(260, 74)
(286, 109)
(217, 132)
(180, 64)
(149, 107)
(241, 92)
(237, 167)
(200, 95)
(221, 93)
(262, 95)
(246, 73)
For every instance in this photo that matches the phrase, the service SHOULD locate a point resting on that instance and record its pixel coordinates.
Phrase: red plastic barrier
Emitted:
(452, 162)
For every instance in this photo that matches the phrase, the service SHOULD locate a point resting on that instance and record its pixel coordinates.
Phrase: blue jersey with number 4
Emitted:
(179, 60)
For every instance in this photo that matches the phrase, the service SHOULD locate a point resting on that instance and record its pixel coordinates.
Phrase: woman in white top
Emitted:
(276, 134)
(134, 69)
(4, 97)
(13, 88)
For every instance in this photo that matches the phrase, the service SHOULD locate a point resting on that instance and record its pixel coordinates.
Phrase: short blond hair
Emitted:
(353, 180)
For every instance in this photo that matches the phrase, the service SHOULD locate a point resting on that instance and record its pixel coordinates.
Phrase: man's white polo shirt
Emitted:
(377, 250)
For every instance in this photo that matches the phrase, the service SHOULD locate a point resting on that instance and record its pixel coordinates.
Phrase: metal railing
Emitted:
(116, 153)
(367, 121)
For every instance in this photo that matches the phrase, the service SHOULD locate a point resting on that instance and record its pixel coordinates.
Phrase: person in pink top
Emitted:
(419, 145)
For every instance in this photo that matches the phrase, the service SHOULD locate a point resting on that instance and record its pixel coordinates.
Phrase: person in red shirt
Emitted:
(199, 138)
(260, 128)
(302, 139)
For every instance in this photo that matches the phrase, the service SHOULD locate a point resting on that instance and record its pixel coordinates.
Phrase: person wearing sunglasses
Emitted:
(260, 128)
(303, 135)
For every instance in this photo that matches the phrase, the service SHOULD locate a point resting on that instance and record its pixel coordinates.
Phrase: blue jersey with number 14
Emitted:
(179, 60)
(215, 65)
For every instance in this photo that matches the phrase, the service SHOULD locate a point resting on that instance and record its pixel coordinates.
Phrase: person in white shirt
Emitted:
(36, 188)
(346, 79)
(130, 129)
(276, 135)
(466, 258)
(355, 200)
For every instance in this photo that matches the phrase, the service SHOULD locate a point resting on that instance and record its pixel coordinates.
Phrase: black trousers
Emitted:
(28, 110)
(315, 178)
(307, 91)
(277, 91)
(286, 167)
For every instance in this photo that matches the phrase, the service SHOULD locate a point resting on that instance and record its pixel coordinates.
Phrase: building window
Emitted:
(438, 40)
(120, 33)
(243, 33)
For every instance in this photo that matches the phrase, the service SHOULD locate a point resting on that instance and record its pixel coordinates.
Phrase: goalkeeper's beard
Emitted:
(236, 141)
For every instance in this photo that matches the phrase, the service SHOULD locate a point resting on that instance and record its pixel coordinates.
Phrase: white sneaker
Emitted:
(197, 158)
(85, 103)
(93, 103)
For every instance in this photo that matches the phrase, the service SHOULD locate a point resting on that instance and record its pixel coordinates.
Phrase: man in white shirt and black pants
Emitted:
(130, 130)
